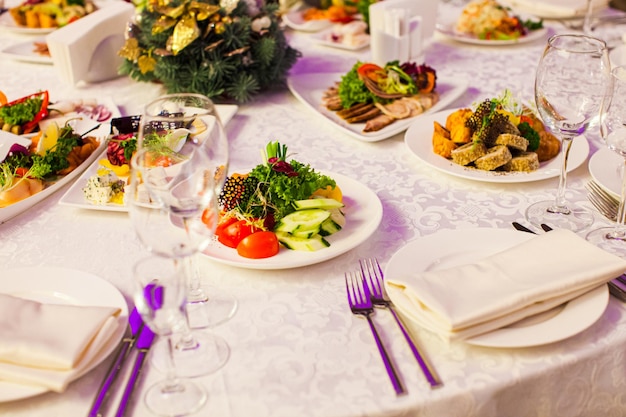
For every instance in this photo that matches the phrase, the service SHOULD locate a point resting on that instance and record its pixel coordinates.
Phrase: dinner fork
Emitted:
(361, 304)
(374, 277)
(604, 202)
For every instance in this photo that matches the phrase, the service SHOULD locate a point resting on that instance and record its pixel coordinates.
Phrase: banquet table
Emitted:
(296, 349)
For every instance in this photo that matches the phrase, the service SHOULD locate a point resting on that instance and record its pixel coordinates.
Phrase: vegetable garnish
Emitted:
(23, 115)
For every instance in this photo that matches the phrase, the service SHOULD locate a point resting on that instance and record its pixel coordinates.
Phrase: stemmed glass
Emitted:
(571, 85)
(613, 129)
(160, 299)
(176, 174)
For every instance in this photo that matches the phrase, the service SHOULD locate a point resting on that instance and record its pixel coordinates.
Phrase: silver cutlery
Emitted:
(144, 341)
(374, 277)
(136, 325)
(361, 304)
(602, 200)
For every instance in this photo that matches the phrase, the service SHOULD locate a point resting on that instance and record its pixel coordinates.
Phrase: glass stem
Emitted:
(195, 292)
(171, 382)
(560, 205)
(587, 29)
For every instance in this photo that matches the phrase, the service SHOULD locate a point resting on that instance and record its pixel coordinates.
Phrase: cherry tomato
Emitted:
(208, 218)
(234, 233)
(223, 224)
(259, 245)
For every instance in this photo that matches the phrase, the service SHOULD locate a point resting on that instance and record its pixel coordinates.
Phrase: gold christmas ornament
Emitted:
(146, 64)
(130, 50)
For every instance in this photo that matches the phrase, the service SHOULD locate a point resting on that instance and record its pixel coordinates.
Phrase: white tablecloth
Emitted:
(296, 350)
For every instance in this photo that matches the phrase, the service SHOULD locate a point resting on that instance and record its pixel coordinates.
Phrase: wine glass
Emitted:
(613, 129)
(176, 173)
(571, 84)
(160, 299)
(587, 21)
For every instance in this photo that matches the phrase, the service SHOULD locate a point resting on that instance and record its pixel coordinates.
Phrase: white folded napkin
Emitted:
(554, 8)
(50, 344)
(527, 279)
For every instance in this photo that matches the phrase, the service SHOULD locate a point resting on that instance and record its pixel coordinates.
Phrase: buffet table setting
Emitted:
(293, 346)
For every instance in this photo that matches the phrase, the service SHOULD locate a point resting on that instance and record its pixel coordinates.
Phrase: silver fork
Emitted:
(604, 202)
(374, 277)
(361, 304)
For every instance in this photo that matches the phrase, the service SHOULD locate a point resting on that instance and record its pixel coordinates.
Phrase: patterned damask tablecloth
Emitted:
(296, 350)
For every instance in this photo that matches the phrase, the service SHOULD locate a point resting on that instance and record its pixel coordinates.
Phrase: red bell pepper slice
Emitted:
(371, 71)
(41, 114)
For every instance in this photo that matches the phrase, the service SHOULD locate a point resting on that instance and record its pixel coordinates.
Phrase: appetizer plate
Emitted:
(325, 38)
(449, 248)
(310, 88)
(7, 23)
(61, 286)
(605, 167)
(555, 9)
(450, 32)
(295, 20)
(363, 211)
(101, 133)
(418, 138)
(25, 51)
(74, 196)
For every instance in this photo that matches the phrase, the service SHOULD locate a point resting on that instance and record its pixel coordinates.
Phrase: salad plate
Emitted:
(418, 140)
(61, 286)
(450, 32)
(605, 167)
(100, 133)
(310, 88)
(449, 248)
(7, 23)
(25, 51)
(74, 196)
(363, 210)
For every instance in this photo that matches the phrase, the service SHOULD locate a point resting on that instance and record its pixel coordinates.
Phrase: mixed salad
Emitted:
(279, 202)
(489, 20)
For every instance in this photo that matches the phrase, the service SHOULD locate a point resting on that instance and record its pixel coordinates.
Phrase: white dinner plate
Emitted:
(74, 196)
(363, 211)
(61, 286)
(605, 167)
(25, 51)
(450, 248)
(7, 23)
(295, 20)
(449, 31)
(555, 9)
(101, 134)
(418, 138)
(325, 38)
(310, 88)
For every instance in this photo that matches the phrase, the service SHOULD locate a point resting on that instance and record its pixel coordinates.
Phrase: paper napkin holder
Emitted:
(86, 50)
(408, 45)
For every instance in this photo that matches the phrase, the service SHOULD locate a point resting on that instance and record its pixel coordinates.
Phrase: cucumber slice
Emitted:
(338, 217)
(307, 234)
(329, 227)
(303, 244)
(317, 203)
(301, 220)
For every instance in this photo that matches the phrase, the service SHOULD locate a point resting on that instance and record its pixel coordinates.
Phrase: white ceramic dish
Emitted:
(325, 38)
(605, 167)
(449, 248)
(555, 9)
(309, 89)
(418, 139)
(61, 286)
(74, 196)
(450, 32)
(363, 211)
(295, 20)
(7, 23)
(7, 213)
(25, 51)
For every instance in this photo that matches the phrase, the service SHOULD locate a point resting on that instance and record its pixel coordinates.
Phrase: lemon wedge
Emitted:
(49, 139)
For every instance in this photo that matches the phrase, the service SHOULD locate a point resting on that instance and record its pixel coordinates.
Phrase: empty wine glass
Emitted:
(160, 299)
(176, 174)
(571, 85)
(613, 128)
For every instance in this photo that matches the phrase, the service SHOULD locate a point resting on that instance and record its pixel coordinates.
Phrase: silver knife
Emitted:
(144, 341)
(136, 324)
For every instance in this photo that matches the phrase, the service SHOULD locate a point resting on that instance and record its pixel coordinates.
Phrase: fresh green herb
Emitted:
(531, 134)
(20, 113)
(352, 90)
(533, 24)
(279, 183)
